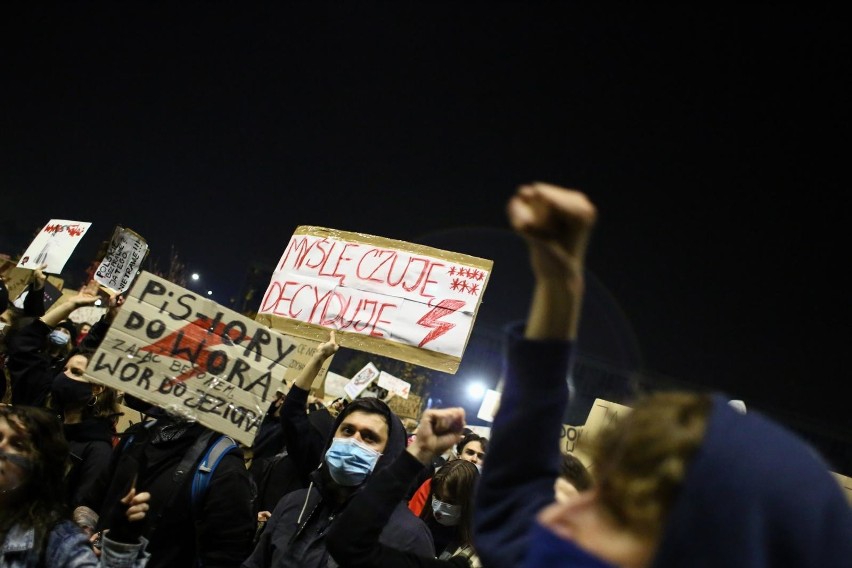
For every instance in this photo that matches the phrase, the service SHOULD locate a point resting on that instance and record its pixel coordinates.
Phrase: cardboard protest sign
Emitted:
(361, 380)
(185, 353)
(569, 443)
(334, 385)
(305, 349)
(489, 406)
(15, 279)
(56, 281)
(575, 439)
(846, 484)
(53, 245)
(394, 385)
(126, 252)
(406, 407)
(602, 415)
(51, 295)
(400, 300)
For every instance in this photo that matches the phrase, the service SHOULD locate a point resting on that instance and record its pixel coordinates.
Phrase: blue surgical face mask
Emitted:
(350, 461)
(58, 337)
(446, 514)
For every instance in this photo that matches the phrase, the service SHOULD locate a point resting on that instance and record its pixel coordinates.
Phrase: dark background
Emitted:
(711, 141)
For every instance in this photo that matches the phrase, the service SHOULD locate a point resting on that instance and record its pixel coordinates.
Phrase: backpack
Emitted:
(204, 468)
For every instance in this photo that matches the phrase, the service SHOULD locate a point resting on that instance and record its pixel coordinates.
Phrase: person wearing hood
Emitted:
(366, 437)
(38, 351)
(683, 480)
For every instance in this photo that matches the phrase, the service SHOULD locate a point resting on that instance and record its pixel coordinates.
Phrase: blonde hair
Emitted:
(641, 462)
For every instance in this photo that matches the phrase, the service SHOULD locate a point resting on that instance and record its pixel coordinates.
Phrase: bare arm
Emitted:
(556, 224)
(58, 312)
(309, 373)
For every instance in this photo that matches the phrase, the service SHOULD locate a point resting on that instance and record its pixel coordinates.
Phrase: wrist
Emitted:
(419, 453)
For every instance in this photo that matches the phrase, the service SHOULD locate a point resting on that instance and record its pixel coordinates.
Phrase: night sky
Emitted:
(711, 141)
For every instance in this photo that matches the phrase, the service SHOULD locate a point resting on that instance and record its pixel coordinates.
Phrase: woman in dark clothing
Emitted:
(37, 352)
(354, 540)
(88, 412)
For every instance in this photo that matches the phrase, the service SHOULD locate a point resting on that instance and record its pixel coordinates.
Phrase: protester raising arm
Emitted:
(304, 443)
(37, 350)
(87, 296)
(556, 223)
(353, 540)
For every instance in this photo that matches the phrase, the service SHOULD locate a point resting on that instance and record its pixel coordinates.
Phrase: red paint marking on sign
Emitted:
(444, 308)
(194, 333)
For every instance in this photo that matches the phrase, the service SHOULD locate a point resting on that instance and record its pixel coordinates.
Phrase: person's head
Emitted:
(641, 463)
(366, 434)
(451, 497)
(33, 457)
(337, 406)
(82, 332)
(472, 448)
(685, 476)
(61, 339)
(72, 394)
(573, 478)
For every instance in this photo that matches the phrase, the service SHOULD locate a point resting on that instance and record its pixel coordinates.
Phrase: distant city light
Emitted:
(195, 276)
(476, 390)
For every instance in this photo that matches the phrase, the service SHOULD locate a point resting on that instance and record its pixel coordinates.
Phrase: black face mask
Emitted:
(68, 392)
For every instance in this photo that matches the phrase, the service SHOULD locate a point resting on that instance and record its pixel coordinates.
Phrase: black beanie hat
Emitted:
(72, 329)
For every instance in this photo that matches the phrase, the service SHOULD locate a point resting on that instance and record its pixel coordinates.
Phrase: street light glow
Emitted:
(476, 390)
(195, 276)
(209, 292)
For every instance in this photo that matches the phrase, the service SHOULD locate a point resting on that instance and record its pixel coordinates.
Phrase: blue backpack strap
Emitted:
(207, 466)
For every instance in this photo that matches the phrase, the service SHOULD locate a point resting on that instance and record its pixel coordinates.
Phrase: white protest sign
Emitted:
(53, 245)
(87, 314)
(335, 385)
(393, 384)
(391, 298)
(185, 353)
(126, 252)
(361, 380)
(489, 406)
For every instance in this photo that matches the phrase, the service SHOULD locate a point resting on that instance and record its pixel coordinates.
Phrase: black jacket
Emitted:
(219, 532)
(31, 369)
(354, 540)
(295, 534)
(90, 443)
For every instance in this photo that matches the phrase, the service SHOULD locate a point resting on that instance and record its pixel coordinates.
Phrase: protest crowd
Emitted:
(683, 479)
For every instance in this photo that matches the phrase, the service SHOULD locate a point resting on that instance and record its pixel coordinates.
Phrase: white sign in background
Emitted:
(393, 384)
(361, 380)
(53, 245)
(126, 252)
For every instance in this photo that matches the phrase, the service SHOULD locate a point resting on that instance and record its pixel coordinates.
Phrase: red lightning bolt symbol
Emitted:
(195, 334)
(445, 307)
